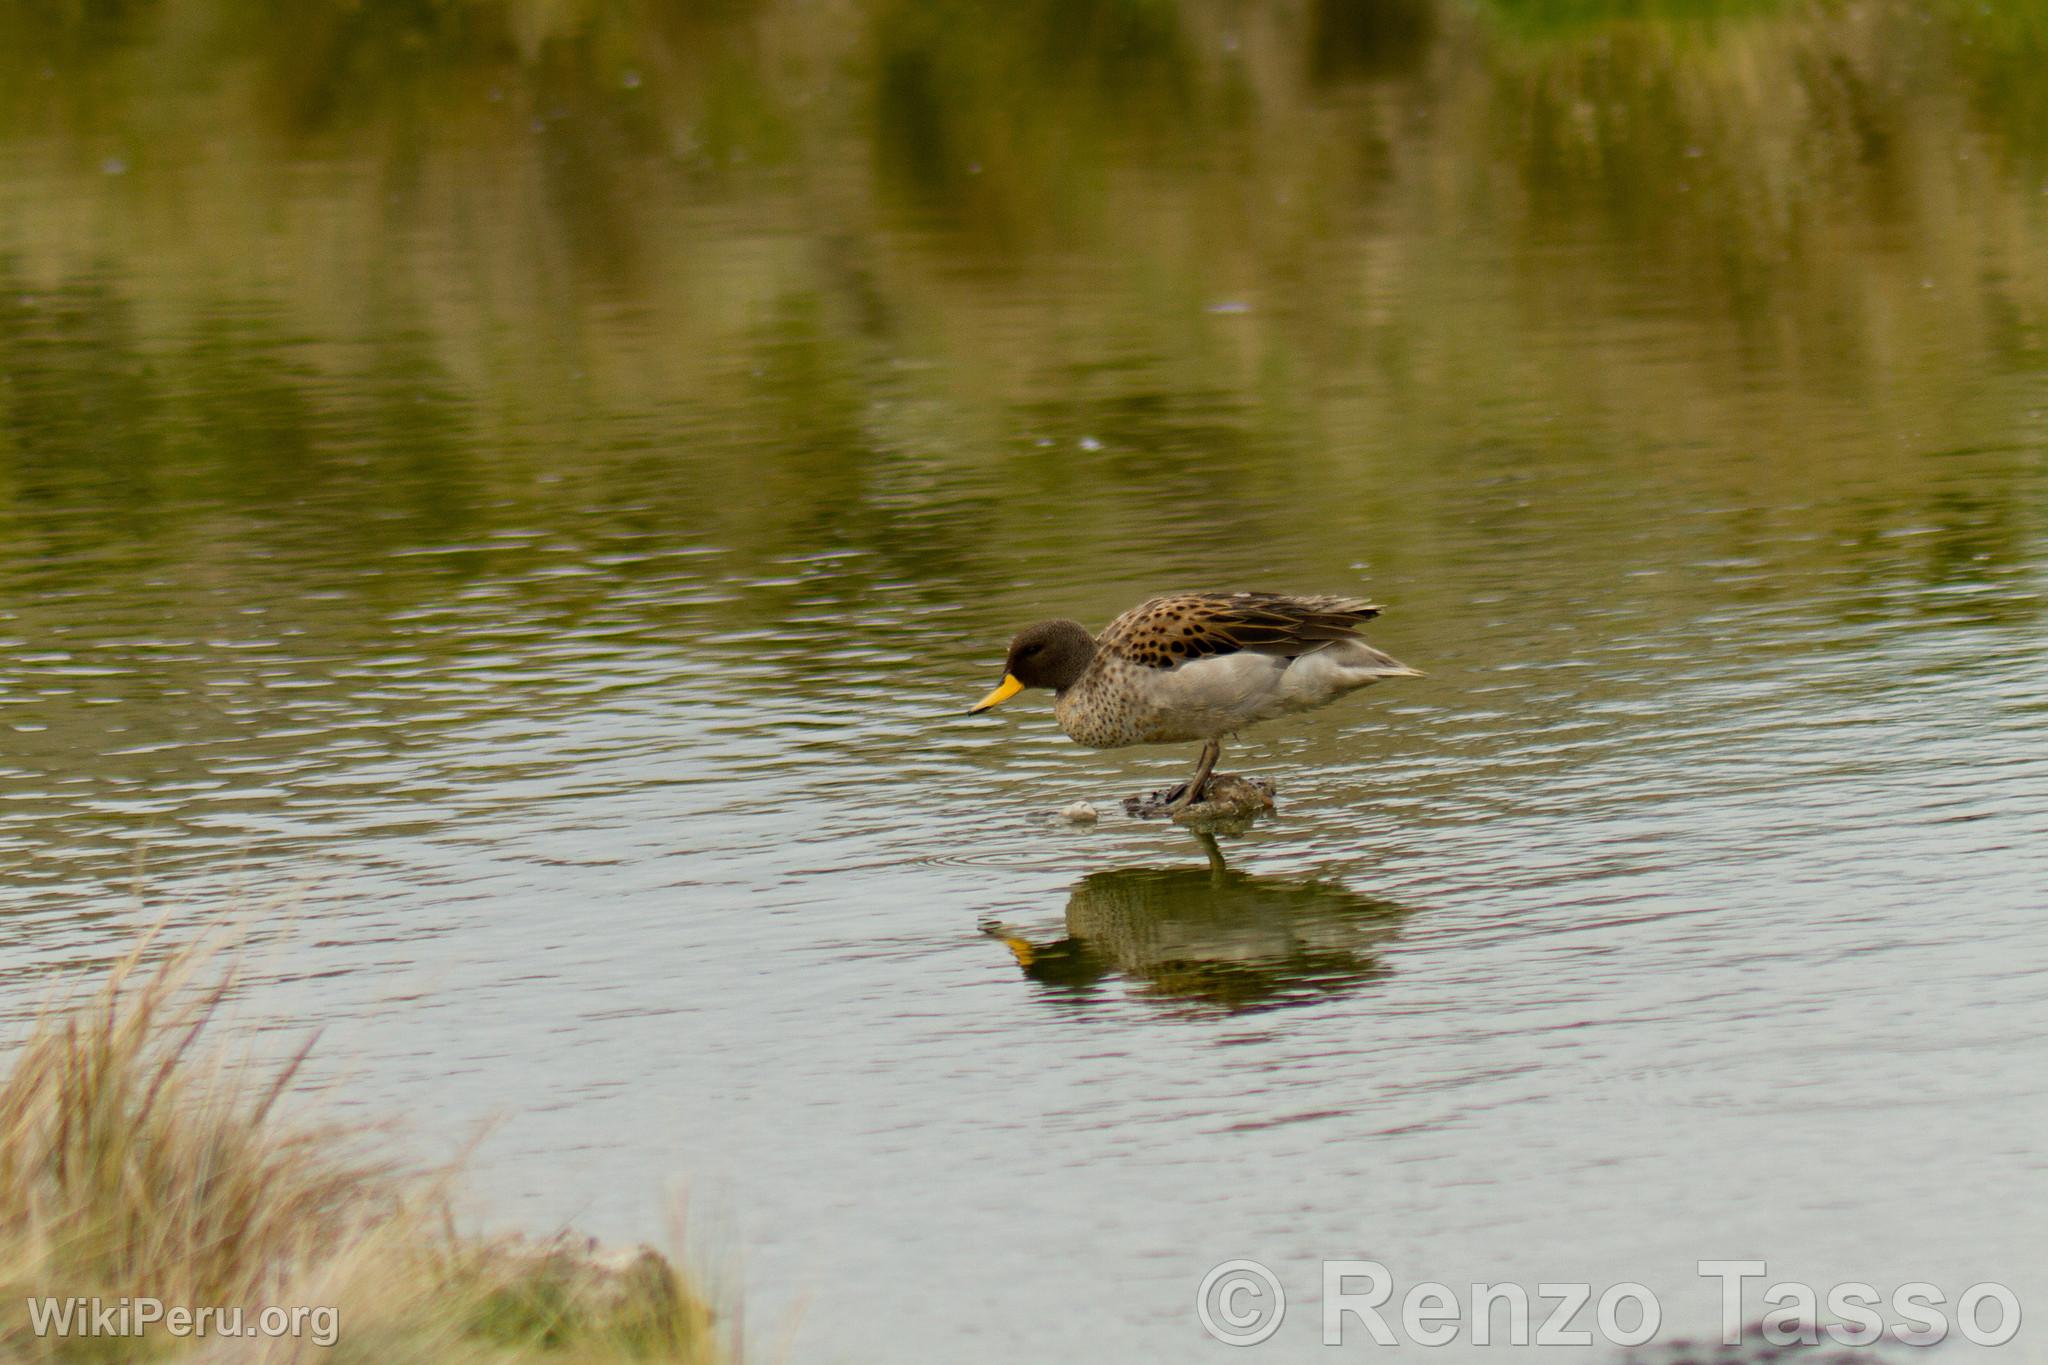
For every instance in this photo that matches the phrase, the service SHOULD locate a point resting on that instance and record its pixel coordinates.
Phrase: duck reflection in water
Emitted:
(1211, 936)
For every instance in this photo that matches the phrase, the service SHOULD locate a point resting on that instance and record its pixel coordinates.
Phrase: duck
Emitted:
(1195, 666)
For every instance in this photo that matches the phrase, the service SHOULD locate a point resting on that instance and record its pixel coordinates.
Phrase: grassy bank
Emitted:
(141, 1158)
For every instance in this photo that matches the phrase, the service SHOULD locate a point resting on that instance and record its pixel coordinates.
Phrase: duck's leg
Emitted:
(1211, 751)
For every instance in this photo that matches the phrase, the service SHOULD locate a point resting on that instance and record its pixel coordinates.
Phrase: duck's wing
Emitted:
(1168, 631)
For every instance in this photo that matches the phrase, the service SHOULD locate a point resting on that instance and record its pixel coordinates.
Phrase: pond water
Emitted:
(521, 496)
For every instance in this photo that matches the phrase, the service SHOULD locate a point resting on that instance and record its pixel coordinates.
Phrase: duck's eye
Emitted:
(1028, 651)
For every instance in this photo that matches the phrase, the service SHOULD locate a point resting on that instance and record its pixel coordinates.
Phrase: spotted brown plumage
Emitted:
(1167, 631)
(1196, 666)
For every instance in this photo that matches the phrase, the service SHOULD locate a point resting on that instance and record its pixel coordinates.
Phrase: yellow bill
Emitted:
(1010, 688)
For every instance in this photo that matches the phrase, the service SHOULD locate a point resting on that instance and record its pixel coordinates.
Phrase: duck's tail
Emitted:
(1330, 672)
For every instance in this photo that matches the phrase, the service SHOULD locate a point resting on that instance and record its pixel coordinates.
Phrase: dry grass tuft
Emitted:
(140, 1160)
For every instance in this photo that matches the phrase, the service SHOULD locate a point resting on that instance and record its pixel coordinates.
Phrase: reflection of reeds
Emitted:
(136, 1160)
(1275, 248)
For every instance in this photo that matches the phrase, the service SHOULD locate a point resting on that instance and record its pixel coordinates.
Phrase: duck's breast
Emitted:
(1107, 708)
(1124, 703)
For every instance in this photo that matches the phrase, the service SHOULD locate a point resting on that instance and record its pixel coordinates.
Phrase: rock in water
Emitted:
(1226, 799)
(1081, 813)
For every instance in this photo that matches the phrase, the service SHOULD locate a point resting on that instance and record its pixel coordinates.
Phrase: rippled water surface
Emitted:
(534, 495)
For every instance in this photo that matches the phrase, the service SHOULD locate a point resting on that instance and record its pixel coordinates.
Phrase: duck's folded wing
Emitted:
(1173, 630)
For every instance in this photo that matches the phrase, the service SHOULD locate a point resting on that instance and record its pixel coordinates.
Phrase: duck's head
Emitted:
(1049, 654)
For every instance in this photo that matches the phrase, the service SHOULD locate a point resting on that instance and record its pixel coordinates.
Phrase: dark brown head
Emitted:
(1049, 654)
